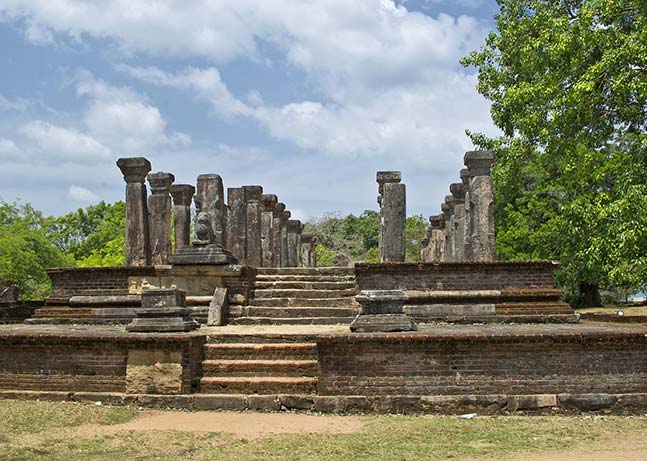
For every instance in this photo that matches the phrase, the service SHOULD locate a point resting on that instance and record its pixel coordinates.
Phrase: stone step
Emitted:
(305, 302)
(260, 351)
(303, 285)
(310, 294)
(276, 340)
(292, 320)
(258, 385)
(63, 312)
(533, 308)
(305, 271)
(252, 311)
(305, 278)
(232, 368)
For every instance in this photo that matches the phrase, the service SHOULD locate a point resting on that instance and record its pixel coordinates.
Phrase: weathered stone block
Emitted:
(154, 372)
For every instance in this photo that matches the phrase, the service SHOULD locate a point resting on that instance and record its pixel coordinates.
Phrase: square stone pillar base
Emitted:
(163, 310)
(382, 311)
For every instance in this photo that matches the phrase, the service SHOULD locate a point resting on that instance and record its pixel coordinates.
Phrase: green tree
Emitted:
(415, 231)
(568, 83)
(26, 250)
(94, 236)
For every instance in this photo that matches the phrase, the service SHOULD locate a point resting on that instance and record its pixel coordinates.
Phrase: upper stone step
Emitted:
(310, 294)
(260, 351)
(347, 301)
(304, 285)
(305, 271)
(304, 278)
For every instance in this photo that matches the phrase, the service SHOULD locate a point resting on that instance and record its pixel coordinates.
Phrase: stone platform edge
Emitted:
(493, 404)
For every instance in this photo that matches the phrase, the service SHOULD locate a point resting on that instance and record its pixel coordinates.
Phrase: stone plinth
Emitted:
(159, 212)
(382, 311)
(137, 245)
(267, 212)
(481, 206)
(163, 310)
(253, 246)
(392, 200)
(182, 195)
(277, 214)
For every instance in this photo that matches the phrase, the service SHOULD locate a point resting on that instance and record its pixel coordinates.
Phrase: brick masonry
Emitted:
(567, 360)
(498, 275)
(90, 361)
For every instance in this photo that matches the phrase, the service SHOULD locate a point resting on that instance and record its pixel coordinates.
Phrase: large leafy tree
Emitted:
(568, 84)
(26, 250)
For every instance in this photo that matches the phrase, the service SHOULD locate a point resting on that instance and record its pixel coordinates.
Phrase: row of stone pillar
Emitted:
(465, 229)
(253, 226)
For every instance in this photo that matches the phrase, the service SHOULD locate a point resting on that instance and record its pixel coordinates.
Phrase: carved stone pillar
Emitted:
(481, 206)
(210, 198)
(458, 194)
(467, 238)
(237, 223)
(447, 214)
(253, 247)
(285, 216)
(137, 236)
(182, 195)
(425, 250)
(277, 215)
(392, 200)
(267, 214)
(294, 226)
(450, 254)
(159, 212)
(436, 238)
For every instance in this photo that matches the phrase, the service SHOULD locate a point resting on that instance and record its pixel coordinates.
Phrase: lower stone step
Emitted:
(304, 302)
(261, 351)
(258, 385)
(295, 368)
(291, 320)
(275, 312)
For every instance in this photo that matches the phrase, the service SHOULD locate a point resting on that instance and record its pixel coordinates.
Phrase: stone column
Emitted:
(285, 217)
(293, 227)
(307, 241)
(237, 223)
(458, 193)
(450, 251)
(481, 206)
(137, 236)
(436, 238)
(159, 212)
(425, 251)
(447, 214)
(467, 246)
(277, 214)
(392, 200)
(253, 248)
(268, 201)
(182, 196)
(299, 245)
(210, 199)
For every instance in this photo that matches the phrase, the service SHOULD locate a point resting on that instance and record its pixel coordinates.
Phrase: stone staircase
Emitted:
(260, 364)
(299, 296)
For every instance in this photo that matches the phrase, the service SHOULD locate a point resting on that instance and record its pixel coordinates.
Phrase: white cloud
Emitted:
(68, 144)
(122, 118)
(8, 149)
(81, 194)
(15, 104)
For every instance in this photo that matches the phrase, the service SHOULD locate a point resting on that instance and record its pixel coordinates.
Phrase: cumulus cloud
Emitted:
(9, 149)
(61, 143)
(81, 194)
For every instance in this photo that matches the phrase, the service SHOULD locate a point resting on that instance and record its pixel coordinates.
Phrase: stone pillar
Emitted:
(268, 201)
(447, 214)
(237, 223)
(300, 245)
(467, 246)
(393, 213)
(425, 251)
(436, 238)
(450, 254)
(159, 212)
(458, 193)
(210, 199)
(307, 249)
(137, 236)
(182, 196)
(481, 206)
(253, 248)
(293, 227)
(285, 216)
(277, 214)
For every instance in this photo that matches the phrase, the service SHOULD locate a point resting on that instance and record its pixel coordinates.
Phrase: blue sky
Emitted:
(306, 98)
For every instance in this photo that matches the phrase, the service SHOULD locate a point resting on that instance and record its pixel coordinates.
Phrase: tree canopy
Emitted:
(568, 84)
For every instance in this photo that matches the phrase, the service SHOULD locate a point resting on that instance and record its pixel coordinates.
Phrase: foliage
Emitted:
(568, 84)
(26, 251)
(415, 231)
(94, 236)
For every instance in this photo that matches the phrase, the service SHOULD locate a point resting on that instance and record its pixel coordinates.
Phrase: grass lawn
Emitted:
(628, 310)
(67, 431)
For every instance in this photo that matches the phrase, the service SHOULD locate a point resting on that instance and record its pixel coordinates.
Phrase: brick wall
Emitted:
(455, 276)
(444, 364)
(87, 362)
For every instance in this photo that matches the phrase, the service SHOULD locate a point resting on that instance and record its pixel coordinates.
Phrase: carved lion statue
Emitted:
(203, 230)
